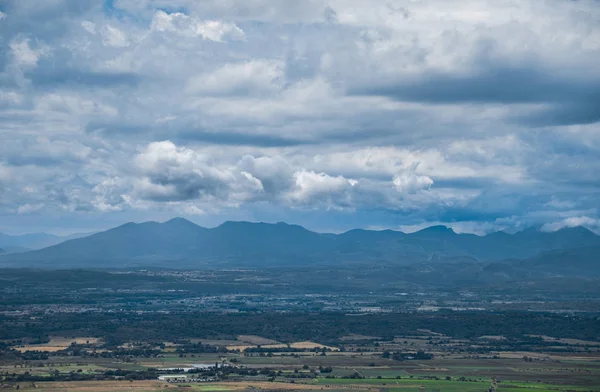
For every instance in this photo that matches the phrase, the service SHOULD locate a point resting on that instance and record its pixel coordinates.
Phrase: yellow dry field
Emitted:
(263, 385)
(570, 341)
(239, 347)
(217, 342)
(97, 386)
(554, 357)
(300, 345)
(46, 349)
(155, 386)
(56, 344)
(312, 345)
(279, 345)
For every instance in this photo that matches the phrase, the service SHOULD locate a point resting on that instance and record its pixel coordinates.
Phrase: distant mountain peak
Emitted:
(125, 225)
(437, 229)
(234, 224)
(246, 225)
(576, 229)
(179, 220)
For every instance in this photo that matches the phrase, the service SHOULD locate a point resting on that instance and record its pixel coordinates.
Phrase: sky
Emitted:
(333, 114)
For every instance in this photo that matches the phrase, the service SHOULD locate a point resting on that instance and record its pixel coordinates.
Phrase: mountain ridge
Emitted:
(179, 242)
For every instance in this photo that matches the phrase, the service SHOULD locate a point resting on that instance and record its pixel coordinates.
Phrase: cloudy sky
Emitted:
(482, 115)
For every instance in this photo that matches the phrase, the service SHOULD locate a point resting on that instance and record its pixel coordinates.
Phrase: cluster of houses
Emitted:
(178, 378)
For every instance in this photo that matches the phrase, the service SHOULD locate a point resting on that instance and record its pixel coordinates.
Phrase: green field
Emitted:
(405, 384)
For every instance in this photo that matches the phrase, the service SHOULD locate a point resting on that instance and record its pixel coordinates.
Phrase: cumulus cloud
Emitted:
(171, 173)
(168, 173)
(274, 173)
(175, 174)
(321, 189)
(409, 182)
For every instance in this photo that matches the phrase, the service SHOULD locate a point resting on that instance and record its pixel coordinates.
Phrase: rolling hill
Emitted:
(32, 241)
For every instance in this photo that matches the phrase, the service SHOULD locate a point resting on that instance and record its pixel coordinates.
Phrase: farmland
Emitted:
(353, 365)
(332, 340)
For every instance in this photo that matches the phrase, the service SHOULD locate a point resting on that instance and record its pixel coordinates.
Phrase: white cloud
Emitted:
(110, 195)
(215, 30)
(114, 37)
(267, 11)
(29, 208)
(254, 77)
(592, 223)
(73, 105)
(24, 54)
(445, 162)
(409, 182)
(274, 173)
(88, 26)
(171, 173)
(193, 210)
(180, 23)
(10, 97)
(321, 188)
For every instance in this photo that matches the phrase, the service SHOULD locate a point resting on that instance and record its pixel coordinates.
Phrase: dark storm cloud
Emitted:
(375, 133)
(465, 183)
(574, 99)
(584, 112)
(239, 138)
(80, 77)
(18, 160)
(189, 186)
(185, 134)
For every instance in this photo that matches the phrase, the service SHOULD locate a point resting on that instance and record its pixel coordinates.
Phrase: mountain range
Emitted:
(32, 241)
(179, 243)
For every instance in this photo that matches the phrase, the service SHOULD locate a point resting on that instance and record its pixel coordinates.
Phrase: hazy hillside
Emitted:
(15, 249)
(181, 243)
(24, 242)
(584, 261)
